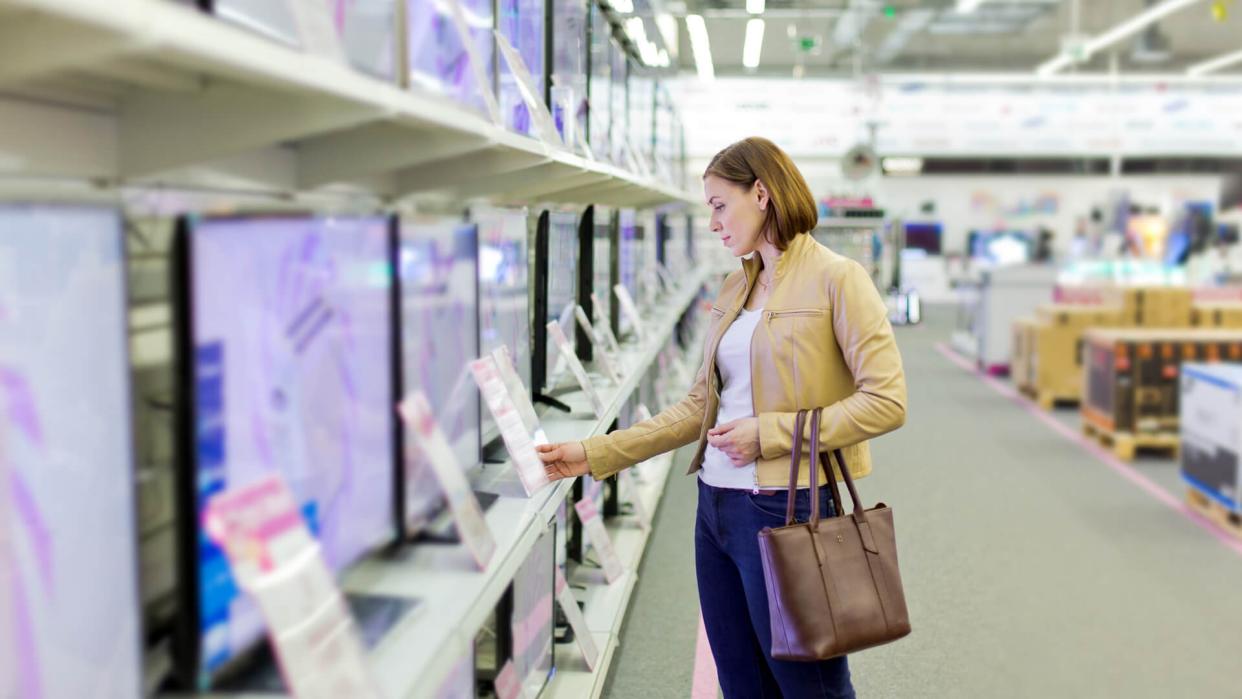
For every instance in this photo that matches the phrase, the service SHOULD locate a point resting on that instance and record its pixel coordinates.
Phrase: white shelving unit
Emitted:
(456, 598)
(151, 92)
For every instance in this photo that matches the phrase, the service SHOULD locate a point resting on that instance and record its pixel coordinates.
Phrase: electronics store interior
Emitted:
(306, 307)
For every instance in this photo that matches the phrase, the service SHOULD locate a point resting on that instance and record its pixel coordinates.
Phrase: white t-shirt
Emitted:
(736, 401)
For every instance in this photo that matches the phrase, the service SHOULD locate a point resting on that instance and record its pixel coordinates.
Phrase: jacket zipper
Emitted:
(751, 360)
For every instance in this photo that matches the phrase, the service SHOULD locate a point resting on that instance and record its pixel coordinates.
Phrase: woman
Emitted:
(798, 327)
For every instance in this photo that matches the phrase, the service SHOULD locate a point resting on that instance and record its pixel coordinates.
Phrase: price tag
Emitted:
(630, 483)
(274, 558)
(533, 98)
(518, 440)
(575, 366)
(471, 525)
(601, 352)
(666, 277)
(481, 78)
(508, 684)
(604, 327)
(517, 390)
(577, 622)
(593, 524)
(630, 310)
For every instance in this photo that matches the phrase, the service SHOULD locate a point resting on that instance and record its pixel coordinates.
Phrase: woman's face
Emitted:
(737, 213)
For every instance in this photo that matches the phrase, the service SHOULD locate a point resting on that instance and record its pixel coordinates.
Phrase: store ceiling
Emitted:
(836, 37)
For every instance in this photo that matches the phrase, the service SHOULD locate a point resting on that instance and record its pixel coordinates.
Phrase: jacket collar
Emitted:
(798, 248)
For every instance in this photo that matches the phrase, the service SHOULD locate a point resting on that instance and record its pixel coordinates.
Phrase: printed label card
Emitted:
(593, 524)
(575, 366)
(508, 684)
(577, 622)
(602, 357)
(275, 559)
(604, 327)
(629, 481)
(630, 310)
(518, 440)
(518, 392)
(533, 98)
(482, 80)
(416, 412)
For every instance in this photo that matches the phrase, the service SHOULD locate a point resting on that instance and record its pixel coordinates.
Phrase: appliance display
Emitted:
(438, 61)
(366, 29)
(288, 367)
(504, 295)
(523, 23)
(534, 587)
(629, 254)
(69, 606)
(620, 101)
(599, 86)
(556, 292)
(569, 66)
(439, 281)
(924, 236)
(605, 259)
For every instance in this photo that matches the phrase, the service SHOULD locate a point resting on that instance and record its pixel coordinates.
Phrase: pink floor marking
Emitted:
(706, 686)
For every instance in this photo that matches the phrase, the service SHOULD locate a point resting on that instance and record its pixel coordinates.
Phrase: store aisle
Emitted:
(1032, 569)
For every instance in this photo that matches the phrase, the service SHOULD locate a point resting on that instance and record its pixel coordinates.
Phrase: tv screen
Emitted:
(287, 361)
(600, 88)
(924, 236)
(569, 60)
(604, 251)
(439, 281)
(620, 103)
(562, 278)
(504, 294)
(629, 260)
(522, 22)
(69, 609)
(438, 61)
(534, 586)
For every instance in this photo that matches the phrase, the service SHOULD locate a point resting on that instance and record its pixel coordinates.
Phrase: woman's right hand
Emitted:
(564, 460)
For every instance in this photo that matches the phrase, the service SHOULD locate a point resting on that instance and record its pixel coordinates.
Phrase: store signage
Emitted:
(422, 425)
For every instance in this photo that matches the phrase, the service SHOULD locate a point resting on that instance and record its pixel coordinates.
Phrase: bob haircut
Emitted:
(793, 210)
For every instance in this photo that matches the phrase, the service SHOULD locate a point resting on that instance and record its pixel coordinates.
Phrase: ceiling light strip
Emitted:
(701, 46)
(753, 48)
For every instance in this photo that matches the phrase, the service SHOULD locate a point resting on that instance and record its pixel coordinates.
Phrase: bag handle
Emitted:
(795, 459)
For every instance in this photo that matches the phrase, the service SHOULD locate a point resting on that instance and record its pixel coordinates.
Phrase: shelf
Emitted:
(456, 598)
(154, 92)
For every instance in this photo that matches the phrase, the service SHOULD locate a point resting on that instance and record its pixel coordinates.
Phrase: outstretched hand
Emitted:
(564, 460)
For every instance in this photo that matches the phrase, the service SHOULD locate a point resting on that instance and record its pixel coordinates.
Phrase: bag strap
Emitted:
(795, 459)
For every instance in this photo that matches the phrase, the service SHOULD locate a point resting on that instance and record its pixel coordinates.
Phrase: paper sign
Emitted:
(601, 352)
(603, 324)
(517, 391)
(629, 309)
(666, 277)
(508, 684)
(518, 440)
(274, 558)
(533, 98)
(626, 478)
(471, 525)
(575, 366)
(600, 541)
(481, 78)
(577, 622)
(317, 30)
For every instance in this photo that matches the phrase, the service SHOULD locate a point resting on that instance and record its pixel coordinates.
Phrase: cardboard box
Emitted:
(1216, 315)
(1056, 363)
(1211, 429)
(1157, 306)
(1132, 376)
(1077, 316)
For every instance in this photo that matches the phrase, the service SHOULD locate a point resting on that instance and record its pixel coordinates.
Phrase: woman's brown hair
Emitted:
(791, 207)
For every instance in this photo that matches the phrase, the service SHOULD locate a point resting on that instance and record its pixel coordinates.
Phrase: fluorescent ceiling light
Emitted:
(965, 7)
(756, 7)
(701, 45)
(753, 48)
(1122, 31)
(902, 166)
(667, 24)
(1215, 64)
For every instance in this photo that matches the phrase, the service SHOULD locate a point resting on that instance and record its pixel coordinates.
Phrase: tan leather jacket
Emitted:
(824, 341)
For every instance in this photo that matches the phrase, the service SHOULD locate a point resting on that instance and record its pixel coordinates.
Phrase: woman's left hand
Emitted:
(739, 440)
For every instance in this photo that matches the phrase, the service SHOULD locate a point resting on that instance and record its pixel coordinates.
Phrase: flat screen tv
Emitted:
(286, 366)
(438, 61)
(70, 616)
(555, 265)
(438, 276)
(524, 24)
(504, 291)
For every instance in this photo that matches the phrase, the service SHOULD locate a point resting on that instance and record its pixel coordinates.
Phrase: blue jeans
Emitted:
(734, 600)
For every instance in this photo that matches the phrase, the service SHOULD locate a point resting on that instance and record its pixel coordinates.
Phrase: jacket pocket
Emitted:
(795, 313)
(717, 312)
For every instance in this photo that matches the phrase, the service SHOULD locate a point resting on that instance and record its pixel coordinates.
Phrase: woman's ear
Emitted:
(761, 195)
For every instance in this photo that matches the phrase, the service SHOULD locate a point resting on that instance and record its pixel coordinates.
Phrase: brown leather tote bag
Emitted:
(833, 584)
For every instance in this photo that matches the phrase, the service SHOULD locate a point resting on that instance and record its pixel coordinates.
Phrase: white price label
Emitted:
(416, 412)
(626, 478)
(604, 326)
(575, 366)
(630, 310)
(518, 392)
(593, 524)
(601, 352)
(518, 440)
(577, 622)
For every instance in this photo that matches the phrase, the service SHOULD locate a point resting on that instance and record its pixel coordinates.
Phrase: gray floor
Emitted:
(1031, 569)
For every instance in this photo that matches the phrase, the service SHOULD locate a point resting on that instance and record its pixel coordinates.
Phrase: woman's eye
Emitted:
(719, 208)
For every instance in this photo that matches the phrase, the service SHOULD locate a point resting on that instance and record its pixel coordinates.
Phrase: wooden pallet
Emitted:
(1047, 399)
(1126, 444)
(1219, 515)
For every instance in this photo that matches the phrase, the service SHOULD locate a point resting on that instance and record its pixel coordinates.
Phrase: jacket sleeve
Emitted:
(878, 404)
(676, 426)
